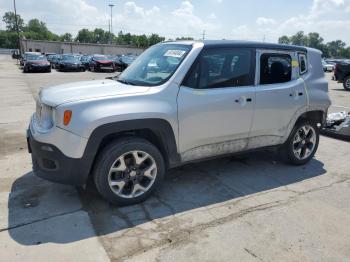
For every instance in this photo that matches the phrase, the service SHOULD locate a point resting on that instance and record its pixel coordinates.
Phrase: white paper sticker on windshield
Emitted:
(175, 53)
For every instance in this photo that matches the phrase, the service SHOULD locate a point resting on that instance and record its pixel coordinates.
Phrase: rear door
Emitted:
(216, 103)
(279, 95)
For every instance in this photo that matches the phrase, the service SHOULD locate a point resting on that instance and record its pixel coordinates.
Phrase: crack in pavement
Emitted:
(39, 220)
(180, 238)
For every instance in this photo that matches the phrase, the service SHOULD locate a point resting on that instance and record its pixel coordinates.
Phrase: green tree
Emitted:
(37, 30)
(284, 40)
(10, 20)
(299, 39)
(155, 39)
(314, 40)
(67, 37)
(85, 36)
(335, 48)
(8, 39)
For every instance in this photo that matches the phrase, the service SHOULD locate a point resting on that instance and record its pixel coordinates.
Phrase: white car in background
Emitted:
(327, 67)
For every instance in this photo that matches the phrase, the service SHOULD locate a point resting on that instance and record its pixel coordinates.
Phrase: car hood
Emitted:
(66, 93)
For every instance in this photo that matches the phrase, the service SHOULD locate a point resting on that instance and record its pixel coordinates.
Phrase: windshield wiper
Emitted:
(125, 82)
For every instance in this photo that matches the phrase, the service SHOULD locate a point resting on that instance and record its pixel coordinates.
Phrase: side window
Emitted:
(219, 68)
(302, 64)
(275, 68)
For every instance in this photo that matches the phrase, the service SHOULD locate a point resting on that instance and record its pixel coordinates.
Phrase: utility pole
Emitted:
(203, 35)
(111, 25)
(18, 37)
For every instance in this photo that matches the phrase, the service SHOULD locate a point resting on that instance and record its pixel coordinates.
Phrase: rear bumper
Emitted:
(51, 164)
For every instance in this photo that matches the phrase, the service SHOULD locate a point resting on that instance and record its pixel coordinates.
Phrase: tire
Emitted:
(130, 176)
(49, 70)
(346, 83)
(294, 152)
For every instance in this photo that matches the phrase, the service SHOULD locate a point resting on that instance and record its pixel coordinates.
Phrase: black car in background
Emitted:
(342, 74)
(99, 63)
(126, 60)
(36, 63)
(85, 60)
(70, 63)
(55, 60)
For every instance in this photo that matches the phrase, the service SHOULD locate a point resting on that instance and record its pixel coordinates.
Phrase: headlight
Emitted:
(44, 117)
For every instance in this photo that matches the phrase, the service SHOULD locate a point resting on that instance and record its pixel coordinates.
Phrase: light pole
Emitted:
(16, 19)
(111, 27)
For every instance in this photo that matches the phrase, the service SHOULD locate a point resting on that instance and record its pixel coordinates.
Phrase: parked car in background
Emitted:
(215, 98)
(24, 57)
(50, 56)
(70, 63)
(116, 61)
(36, 63)
(15, 54)
(99, 63)
(55, 61)
(342, 74)
(85, 60)
(126, 61)
(327, 67)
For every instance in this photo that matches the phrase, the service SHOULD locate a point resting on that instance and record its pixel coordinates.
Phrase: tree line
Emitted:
(37, 30)
(334, 49)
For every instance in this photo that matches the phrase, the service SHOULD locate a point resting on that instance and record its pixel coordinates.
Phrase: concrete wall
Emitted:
(68, 47)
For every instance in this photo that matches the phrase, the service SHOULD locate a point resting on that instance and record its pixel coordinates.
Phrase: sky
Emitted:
(261, 20)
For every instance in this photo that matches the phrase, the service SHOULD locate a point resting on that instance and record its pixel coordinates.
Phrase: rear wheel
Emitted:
(302, 143)
(346, 83)
(128, 171)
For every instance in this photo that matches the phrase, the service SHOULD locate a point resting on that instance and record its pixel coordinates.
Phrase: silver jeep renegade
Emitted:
(179, 102)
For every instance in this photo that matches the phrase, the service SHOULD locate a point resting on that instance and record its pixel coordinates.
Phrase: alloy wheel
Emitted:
(132, 174)
(304, 142)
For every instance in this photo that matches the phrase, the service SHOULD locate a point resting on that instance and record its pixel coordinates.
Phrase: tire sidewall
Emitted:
(109, 156)
(345, 82)
(289, 144)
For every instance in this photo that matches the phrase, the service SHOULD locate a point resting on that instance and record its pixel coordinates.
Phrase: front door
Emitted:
(216, 103)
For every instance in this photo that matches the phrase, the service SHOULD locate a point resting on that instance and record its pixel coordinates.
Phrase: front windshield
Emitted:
(70, 58)
(156, 65)
(100, 58)
(36, 57)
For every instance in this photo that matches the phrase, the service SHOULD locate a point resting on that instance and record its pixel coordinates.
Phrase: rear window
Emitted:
(275, 68)
(302, 64)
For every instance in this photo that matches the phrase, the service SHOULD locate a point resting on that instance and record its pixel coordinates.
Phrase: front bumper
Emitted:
(51, 164)
(39, 68)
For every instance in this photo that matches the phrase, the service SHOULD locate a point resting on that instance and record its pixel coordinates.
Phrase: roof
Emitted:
(251, 44)
(239, 43)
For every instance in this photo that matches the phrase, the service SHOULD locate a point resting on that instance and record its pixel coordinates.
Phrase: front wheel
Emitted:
(302, 143)
(346, 83)
(128, 171)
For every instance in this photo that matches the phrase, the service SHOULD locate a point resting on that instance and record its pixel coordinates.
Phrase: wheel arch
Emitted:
(157, 131)
(316, 116)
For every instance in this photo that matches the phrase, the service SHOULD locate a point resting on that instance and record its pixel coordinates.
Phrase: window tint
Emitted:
(302, 64)
(221, 68)
(275, 68)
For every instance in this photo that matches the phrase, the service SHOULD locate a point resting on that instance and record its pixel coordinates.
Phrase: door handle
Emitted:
(295, 94)
(241, 99)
